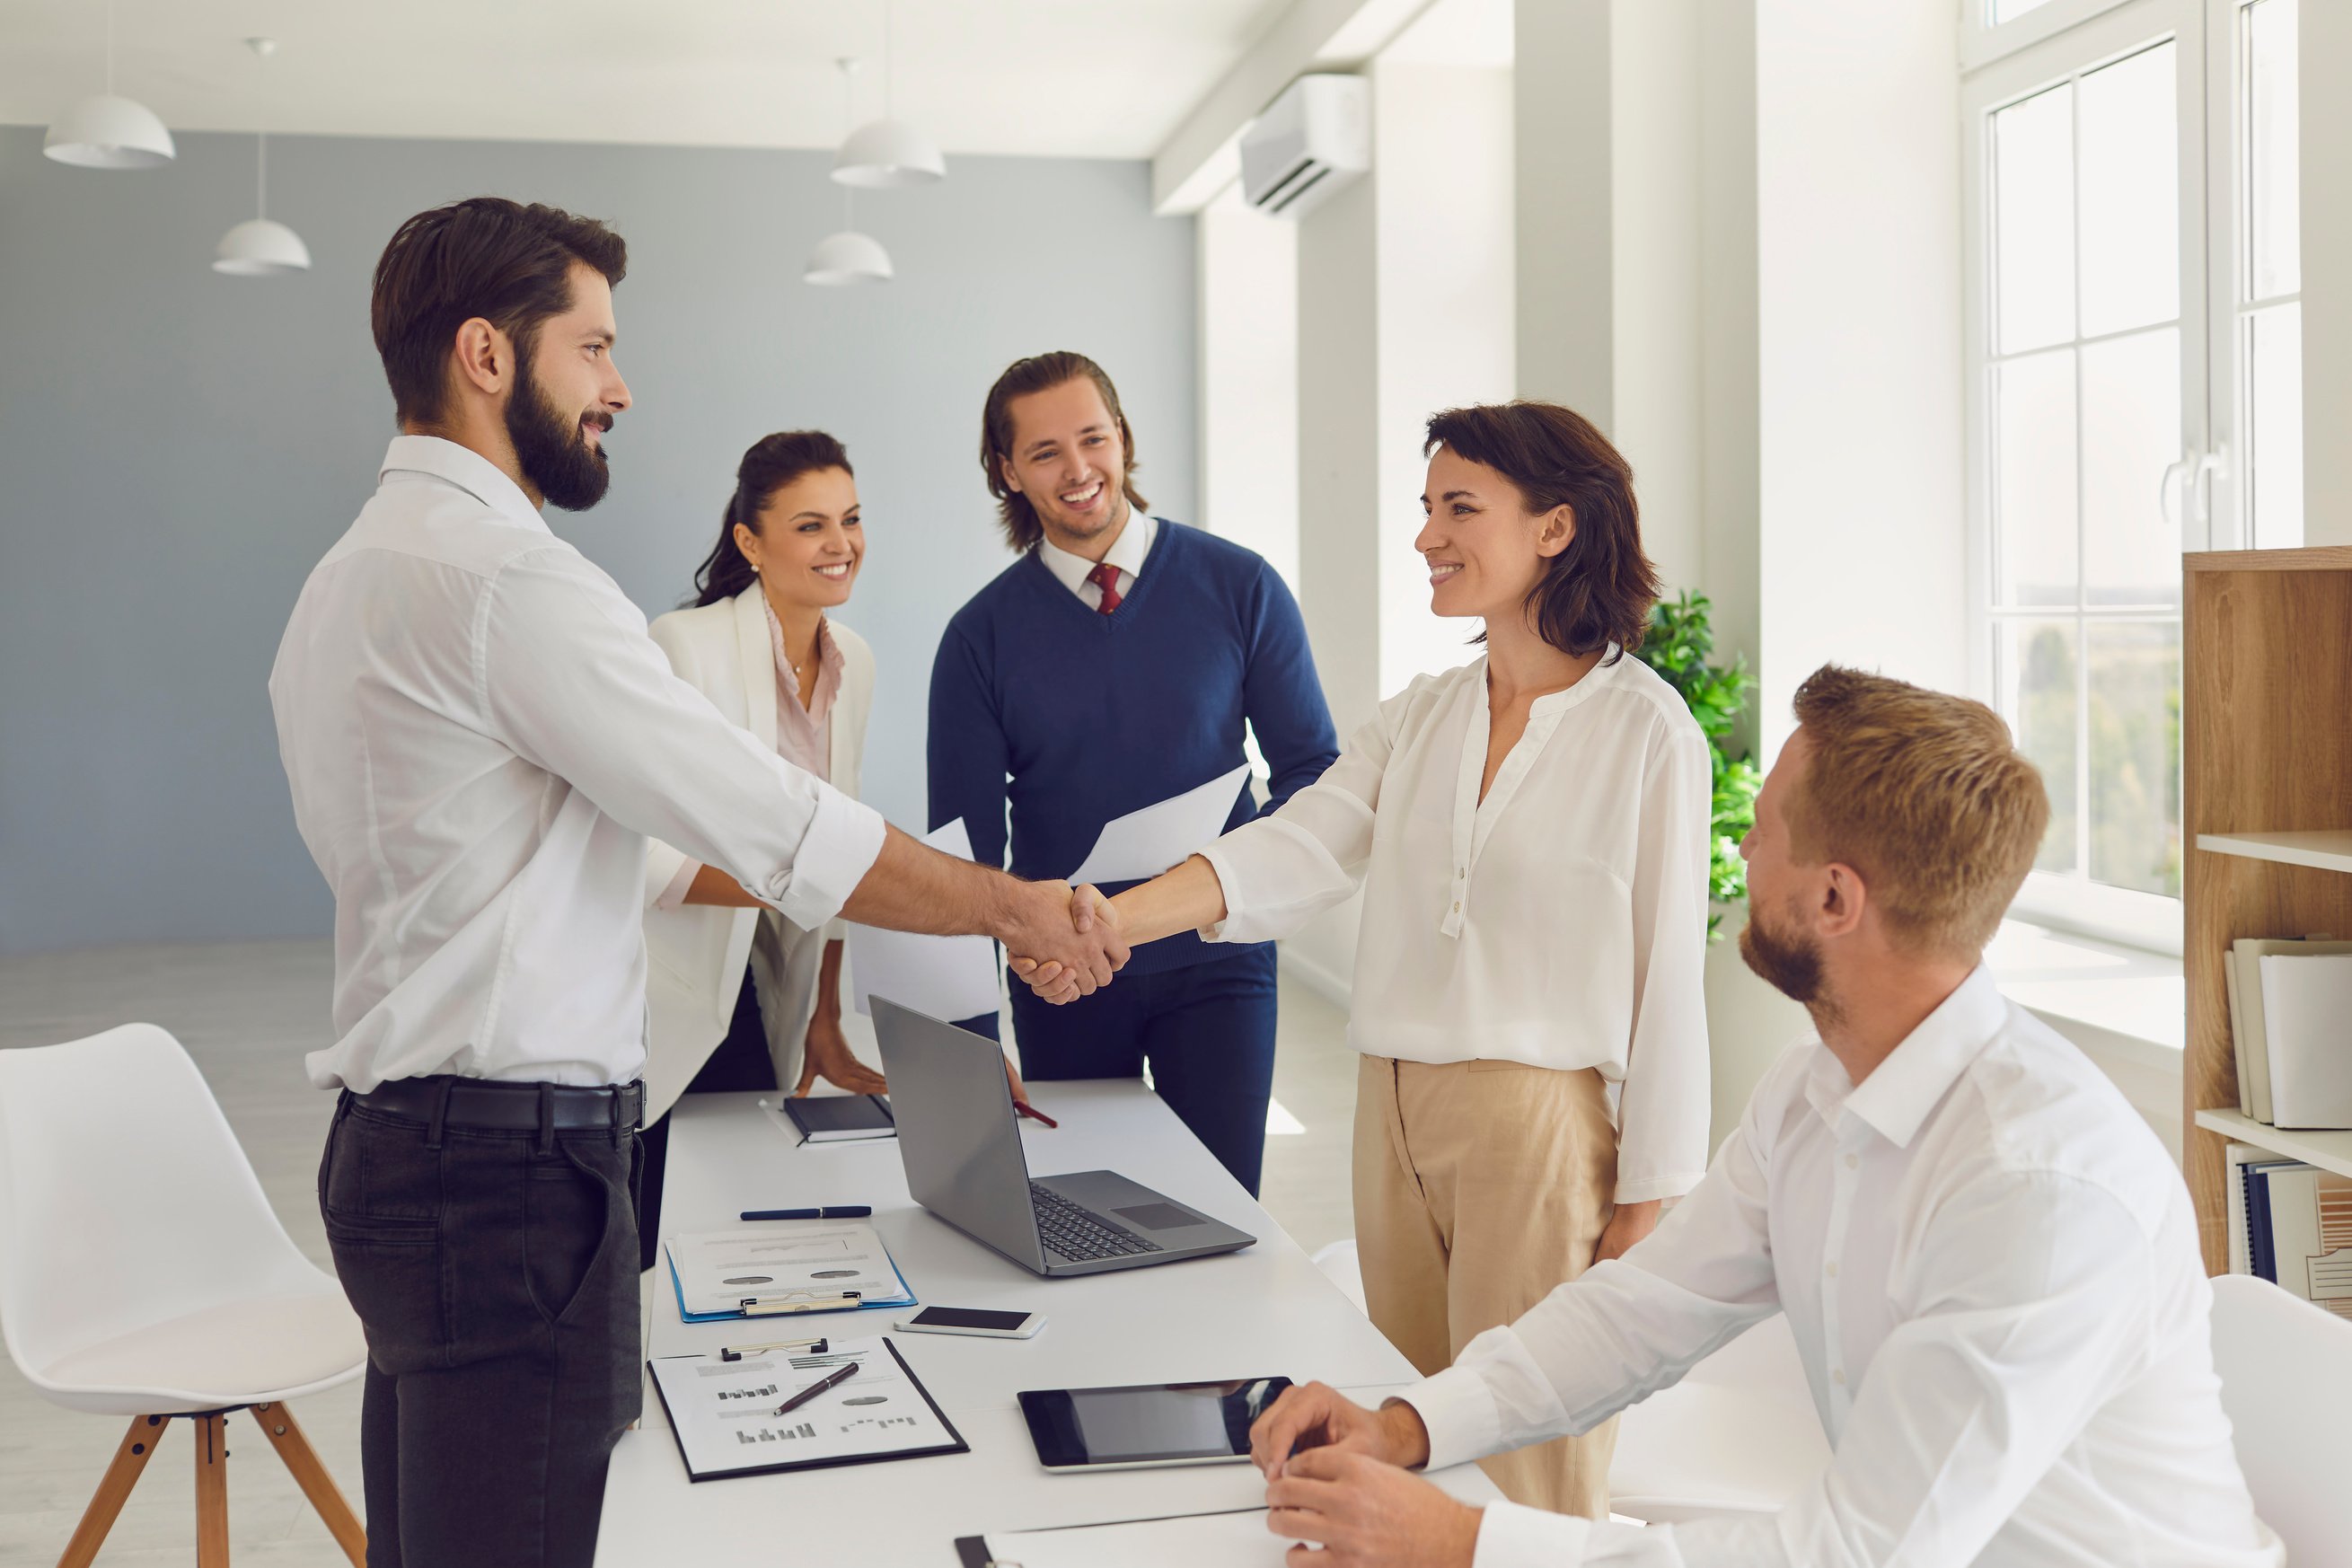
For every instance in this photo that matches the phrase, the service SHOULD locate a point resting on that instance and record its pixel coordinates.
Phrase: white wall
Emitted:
(2326, 152)
(1248, 270)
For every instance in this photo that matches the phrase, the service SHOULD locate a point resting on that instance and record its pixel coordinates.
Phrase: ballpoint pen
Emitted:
(831, 1380)
(835, 1211)
(1033, 1113)
(807, 1347)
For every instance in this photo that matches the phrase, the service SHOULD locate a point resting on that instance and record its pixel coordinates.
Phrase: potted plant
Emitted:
(1679, 644)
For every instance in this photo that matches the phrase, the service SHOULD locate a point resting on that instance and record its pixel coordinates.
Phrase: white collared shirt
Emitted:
(1991, 1270)
(1127, 554)
(479, 734)
(1561, 922)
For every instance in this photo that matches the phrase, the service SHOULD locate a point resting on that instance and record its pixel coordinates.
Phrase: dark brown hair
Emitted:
(487, 257)
(1022, 377)
(1600, 589)
(773, 462)
(1923, 793)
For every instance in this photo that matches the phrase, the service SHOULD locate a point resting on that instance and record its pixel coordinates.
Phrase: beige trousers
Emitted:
(1479, 1187)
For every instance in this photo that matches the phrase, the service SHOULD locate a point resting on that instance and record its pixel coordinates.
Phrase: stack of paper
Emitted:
(783, 1265)
(947, 977)
(1229, 1540)
(2317, 1061)
(2292, 1224)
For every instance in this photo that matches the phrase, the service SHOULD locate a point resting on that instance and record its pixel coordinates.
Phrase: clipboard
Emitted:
(905, 1298)
(955, 1443)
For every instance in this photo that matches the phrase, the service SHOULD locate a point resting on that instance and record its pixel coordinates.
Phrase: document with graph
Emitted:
(723, 1413)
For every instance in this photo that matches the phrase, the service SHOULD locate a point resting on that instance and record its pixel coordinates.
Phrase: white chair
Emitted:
(143, 1273)
(2286, 1380)
(1738, 1434)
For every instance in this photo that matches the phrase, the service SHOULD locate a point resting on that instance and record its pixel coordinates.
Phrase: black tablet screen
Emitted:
(1147, 1424)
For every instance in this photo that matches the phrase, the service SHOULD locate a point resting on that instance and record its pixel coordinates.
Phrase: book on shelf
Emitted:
(2250, 1034)
(2307, 1022)
(2291, 1224)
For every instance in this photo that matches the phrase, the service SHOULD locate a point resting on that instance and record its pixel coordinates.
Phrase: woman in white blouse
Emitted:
(1530, 833)
(737, 996)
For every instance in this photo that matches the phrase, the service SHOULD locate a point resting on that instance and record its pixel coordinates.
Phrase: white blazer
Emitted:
(697, 952)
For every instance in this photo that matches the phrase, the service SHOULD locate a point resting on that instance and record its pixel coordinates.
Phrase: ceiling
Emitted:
(1093, 78)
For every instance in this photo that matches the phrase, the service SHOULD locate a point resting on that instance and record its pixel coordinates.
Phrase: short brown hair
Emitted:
(1041, 372)
(1923, 792)
(487, 257)
(1600, 589)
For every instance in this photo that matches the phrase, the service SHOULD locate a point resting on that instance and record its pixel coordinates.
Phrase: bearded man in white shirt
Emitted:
(1989, 1261)
(479, 736)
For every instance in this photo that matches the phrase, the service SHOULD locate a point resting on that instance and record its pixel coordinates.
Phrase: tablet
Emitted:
(1148, 1425)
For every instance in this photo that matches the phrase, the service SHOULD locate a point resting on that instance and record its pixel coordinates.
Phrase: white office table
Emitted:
(1265, 1311)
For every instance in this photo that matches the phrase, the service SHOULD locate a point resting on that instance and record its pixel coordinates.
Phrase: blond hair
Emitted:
(1925, 796)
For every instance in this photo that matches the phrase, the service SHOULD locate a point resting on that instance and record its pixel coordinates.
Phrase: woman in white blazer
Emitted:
(737, 996)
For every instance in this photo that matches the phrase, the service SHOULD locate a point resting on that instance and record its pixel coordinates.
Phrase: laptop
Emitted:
(960, 1142)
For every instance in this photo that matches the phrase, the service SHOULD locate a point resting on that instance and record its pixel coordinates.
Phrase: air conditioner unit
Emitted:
(1311, 141)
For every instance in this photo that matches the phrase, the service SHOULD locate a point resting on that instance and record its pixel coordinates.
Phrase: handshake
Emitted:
(1064, 942)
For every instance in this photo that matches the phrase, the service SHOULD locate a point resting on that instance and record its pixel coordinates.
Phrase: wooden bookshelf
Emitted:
(2266, 752)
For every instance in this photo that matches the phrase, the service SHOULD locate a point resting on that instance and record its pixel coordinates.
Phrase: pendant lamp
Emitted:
(889, 152)
(847, 256)
(108, 132)
(259, 248)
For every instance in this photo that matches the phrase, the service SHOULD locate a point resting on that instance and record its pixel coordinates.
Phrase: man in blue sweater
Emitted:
(1113, 665)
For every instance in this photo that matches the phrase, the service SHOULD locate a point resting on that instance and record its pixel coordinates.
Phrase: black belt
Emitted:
(511, 1107)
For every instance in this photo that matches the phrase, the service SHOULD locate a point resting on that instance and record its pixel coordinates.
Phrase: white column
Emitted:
(1249, 380)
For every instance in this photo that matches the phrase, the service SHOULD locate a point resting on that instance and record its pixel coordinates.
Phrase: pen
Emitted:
(831, 1380)
(1031, 1111)
(837, 1210)
(753, 1307)
(737, 1353)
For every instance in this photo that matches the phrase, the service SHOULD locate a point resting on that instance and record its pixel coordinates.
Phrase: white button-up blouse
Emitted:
(1559, 922)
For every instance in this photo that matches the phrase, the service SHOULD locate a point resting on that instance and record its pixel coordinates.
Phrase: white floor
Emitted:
(247, 1013)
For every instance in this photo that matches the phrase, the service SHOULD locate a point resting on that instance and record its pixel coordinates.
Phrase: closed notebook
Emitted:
(2250, 1026)
(2307, 1021)
(841, 1118)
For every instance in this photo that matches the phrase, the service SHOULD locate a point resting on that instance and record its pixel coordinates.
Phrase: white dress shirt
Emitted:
(479, 734)
(1561, 922)
(1991, 1270)
(1126, 555)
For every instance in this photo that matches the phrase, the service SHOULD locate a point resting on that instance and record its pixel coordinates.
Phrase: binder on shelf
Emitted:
(2301, 1221)
(2250, 1031)
(2238, 1035)
(2307, 1022)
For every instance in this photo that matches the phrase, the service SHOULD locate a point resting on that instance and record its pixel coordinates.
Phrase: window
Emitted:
(2135, 350)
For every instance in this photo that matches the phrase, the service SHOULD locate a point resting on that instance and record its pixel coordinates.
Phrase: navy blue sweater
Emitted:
(1094, 716)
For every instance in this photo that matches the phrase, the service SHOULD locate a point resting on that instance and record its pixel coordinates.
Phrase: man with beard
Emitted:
(480, 735)
(1988, 1260)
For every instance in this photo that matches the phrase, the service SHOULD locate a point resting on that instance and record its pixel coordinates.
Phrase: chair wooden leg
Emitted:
(113, 1489)
(212, 1491)
(279, 1424)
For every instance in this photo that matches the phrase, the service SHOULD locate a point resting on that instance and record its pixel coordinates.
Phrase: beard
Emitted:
(553, 447)
(1790, 963)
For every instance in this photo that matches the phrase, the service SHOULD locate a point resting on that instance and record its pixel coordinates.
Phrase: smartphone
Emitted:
(973, 1321)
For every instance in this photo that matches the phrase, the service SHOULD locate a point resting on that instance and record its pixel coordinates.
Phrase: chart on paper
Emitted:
(726, 1413)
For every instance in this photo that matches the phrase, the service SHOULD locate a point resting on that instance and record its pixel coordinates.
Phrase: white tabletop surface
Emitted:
(1265, 1311)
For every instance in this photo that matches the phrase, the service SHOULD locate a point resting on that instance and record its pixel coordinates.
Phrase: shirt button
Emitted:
(1832, 1268)
(1457, 907)
(1851, 1161)
(1838, 1377)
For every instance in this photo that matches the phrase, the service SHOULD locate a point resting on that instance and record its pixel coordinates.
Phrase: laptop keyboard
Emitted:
(1077, 1234)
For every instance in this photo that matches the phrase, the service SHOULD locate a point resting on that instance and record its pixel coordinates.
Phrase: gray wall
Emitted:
(177, 448)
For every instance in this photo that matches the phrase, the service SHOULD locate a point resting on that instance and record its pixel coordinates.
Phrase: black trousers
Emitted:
(494, 1272)
(741, 1062)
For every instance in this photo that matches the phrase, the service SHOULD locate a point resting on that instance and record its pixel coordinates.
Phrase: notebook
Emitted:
(841, 1118)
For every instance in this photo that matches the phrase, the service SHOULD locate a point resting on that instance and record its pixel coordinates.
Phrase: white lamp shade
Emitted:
(889, 152)
(259, 248)
(848, 256)
(109, 132)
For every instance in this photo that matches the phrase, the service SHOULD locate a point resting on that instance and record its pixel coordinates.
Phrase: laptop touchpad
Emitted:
(1157, 1216)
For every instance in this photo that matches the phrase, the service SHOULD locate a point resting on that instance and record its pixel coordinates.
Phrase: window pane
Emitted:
(2274, 262)
(2037, 687)
(2130, 185)
(2134, 755)
(2033, 425)
(2131, 434)
(2274, 425)
(2033, 221)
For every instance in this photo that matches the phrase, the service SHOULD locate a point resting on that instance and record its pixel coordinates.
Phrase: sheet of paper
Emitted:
(1145, 843)
(949, 977)
(793, 1259)
(1228, 1539)
(724, 1412)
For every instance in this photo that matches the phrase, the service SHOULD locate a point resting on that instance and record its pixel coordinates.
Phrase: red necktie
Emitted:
(1105, 576)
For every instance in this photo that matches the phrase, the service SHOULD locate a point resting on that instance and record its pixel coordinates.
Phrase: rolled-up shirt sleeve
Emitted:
(1665, 1103)
(609, 716)
(1281, 870)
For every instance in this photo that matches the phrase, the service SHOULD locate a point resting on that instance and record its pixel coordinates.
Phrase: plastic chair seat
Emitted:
(1737, 1436)
(260, 1350)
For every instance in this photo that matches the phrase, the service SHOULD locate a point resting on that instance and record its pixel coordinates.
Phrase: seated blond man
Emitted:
(1988, 1260)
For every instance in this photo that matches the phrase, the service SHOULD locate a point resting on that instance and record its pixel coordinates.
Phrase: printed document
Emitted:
(793, 1259)
(1229, 1540)
(724, 1412)
(949, 977)
(1145, 843)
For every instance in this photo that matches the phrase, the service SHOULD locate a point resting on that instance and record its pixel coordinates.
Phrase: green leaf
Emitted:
(1678, 645)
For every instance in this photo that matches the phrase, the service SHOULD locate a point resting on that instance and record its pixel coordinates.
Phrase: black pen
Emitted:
(838, 1211)
(831, 1380)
